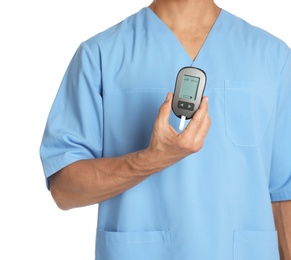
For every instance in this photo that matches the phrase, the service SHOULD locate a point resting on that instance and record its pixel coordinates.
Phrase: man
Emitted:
(203, 193)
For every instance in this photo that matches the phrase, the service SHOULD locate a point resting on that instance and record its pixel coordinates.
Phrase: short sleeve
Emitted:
(74, 126)
(280, 181)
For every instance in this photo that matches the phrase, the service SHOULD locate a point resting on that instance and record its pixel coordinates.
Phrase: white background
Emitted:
(38, 39)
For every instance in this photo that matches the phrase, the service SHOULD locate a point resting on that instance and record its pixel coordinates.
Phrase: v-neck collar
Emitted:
(163, 26)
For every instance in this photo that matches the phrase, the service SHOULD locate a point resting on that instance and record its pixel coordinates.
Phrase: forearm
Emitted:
(282, 214)
(100, 179)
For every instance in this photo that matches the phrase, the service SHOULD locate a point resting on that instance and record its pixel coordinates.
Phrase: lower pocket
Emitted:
(255, 245)
(154, 245)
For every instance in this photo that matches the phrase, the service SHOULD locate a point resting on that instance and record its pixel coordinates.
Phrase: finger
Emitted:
(204, 103)
(203, 129)
(199, 117)
(165, 109)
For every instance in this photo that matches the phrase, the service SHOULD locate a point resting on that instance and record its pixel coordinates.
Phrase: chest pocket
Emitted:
(248, 110)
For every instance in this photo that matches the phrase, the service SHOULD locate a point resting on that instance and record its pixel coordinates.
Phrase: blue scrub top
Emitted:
(214, 204)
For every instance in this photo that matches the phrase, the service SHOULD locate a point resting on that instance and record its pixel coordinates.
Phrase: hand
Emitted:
(167, 146)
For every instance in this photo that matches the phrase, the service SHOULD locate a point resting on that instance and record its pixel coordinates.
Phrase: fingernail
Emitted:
(168, 97)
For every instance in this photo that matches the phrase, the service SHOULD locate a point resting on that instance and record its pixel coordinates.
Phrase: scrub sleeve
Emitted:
(280, 180)
(75, 123)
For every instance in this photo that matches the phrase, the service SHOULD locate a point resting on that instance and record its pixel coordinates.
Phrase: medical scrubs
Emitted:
(214, 204)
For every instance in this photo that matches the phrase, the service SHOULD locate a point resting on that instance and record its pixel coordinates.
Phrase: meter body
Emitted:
(189, 89)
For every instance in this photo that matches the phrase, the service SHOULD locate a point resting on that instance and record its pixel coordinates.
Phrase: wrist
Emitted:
(145, 163)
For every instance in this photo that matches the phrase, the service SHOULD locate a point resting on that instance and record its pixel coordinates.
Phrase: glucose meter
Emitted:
(189, 89)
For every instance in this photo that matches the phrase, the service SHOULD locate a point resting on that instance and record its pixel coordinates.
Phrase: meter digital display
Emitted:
(189, 87)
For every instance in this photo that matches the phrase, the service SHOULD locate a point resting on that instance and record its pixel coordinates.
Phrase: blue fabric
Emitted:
(215, 204)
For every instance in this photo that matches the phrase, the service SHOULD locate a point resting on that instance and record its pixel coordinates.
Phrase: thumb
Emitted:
(166, 108)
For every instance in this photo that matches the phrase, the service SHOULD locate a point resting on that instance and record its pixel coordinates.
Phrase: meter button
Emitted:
(182, 104)
(189, 106)
(185, 105)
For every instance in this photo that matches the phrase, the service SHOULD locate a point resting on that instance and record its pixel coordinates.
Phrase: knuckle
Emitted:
(198, 145)
(191, 146)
